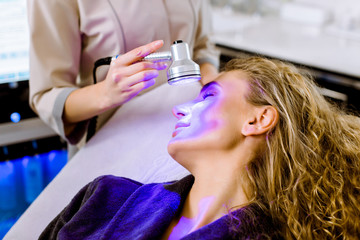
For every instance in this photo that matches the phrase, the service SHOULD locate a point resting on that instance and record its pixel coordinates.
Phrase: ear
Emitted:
(262, 120)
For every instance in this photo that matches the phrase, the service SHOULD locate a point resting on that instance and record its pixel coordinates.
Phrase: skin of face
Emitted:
(212, 122)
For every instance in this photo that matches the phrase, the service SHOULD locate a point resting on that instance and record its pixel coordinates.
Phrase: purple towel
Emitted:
(119, 208)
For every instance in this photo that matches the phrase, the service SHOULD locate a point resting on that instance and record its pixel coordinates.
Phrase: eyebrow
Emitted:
(208, 85)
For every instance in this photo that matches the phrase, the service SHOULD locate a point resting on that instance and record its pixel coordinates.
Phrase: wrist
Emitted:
(84, 103)
(102, 99)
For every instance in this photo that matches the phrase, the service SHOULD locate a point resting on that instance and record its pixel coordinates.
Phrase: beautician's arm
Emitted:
(205, 52)
(126, 78)
(208, 73)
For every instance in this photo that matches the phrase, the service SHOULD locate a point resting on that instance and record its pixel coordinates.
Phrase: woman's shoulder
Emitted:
(111, 183)
(111, 179)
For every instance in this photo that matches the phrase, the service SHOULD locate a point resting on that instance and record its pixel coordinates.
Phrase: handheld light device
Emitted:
(182, 69)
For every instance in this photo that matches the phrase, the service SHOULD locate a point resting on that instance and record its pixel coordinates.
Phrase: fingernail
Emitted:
(150, 75)
(158, 43)
(161, 65)
(149, 83)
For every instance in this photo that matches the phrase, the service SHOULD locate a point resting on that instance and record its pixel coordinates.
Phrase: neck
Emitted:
(220, 186)
(213, 196)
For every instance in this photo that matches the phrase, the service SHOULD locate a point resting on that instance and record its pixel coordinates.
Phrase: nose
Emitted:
(181, 111)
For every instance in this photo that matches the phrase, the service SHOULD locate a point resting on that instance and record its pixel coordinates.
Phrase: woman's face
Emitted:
(213, 120)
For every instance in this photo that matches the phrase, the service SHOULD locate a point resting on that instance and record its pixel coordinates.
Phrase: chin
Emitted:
(178, 151)
(178, 147)
(185, 146)
(174, 147)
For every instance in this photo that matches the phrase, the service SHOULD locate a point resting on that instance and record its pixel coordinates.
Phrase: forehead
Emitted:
(234, 84)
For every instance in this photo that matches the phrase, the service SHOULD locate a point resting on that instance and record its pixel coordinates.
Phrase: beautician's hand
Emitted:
(126, 78)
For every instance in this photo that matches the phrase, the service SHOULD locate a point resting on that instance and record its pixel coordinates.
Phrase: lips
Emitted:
(178, 128)
(181, 124)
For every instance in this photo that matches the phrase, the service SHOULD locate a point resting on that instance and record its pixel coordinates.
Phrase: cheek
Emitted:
(199, 135)
(207, 130)
(223, 130)
(216, 136)
(204, 124)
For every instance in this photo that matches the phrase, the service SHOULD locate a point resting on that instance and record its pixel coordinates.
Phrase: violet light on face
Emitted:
(194, 118)
(213, 120)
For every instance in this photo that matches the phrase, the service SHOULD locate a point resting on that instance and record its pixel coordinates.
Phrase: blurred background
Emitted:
(31, 154)
(319, 36)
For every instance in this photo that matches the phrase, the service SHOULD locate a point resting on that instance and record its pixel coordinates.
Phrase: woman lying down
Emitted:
(269, 158)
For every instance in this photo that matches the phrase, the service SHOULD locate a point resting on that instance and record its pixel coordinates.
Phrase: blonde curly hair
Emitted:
(308, 179)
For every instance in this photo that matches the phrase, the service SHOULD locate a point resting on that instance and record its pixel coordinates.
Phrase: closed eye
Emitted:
(210, 89)
(208, 94)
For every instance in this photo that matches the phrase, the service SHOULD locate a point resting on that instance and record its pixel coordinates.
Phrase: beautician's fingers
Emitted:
(138, 53)
(123, 73)
(138, 67)
(140, 77)
(123, 88)
(126, 93)
(140, 86)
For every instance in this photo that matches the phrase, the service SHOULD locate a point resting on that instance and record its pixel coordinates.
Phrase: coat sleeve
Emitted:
(91, 209)
(204, 48)
(55, 51)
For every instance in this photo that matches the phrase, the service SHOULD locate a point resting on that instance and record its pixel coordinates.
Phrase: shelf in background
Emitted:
(25, 130)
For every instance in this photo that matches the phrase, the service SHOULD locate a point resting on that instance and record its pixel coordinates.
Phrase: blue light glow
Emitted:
(20, 180)
(15, 117)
